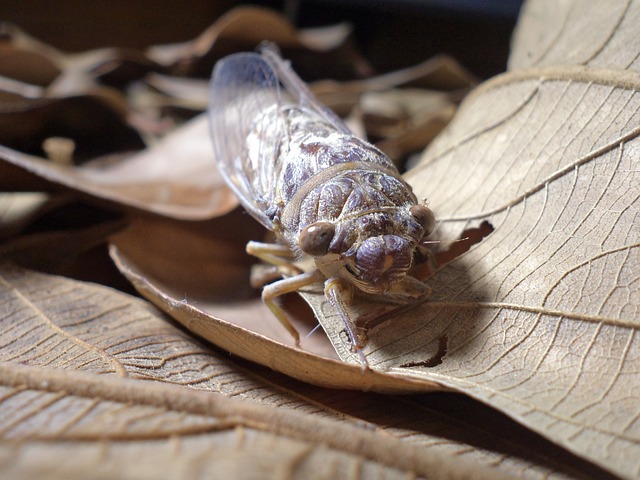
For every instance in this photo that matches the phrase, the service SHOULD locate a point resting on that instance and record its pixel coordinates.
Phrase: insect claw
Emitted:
(363, 359)
(358, 349)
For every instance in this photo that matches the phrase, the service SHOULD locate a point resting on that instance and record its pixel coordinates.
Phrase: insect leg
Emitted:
(334, 291)
(263, 274)
(287, 285)
(275, 255)
(272, 253)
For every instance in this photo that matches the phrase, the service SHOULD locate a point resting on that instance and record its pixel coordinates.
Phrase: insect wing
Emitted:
(299, 90)
(243, 87)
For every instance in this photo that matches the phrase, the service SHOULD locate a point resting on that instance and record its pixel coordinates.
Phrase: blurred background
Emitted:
(390, 33)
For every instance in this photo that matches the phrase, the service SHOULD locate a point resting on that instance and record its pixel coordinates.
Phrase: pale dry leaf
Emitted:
(116, 425)
(198, 432)
(326, 38)
(55, 322)
(397, 104)
(188, 291)
(418, 133)
(577, 32)
(15, 89)
(116, 67)
(26, 59)
(441, 72)
(177, 177)
(540, 319)
(178, 91)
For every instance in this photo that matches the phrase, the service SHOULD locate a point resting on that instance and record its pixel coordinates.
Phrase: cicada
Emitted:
(326, 194)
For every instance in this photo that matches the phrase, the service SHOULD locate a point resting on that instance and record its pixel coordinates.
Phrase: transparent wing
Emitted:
(248, 122)
(243, 87)
(297, 89)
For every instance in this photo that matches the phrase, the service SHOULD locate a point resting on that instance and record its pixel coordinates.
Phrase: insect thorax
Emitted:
(315, 172)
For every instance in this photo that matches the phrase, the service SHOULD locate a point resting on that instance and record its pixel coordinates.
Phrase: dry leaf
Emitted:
(440, 73)
(85, 414)
(74, 378)
(202, 280)
(242, 28)
(327, 53)
(177, 177)
(578, 32)
(180, 91)
(559, 360)
(49, 401)
(27, 60)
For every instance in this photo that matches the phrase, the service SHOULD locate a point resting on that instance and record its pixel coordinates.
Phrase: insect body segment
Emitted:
(324, 192)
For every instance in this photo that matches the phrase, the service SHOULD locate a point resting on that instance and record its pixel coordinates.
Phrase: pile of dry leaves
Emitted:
(124, 283)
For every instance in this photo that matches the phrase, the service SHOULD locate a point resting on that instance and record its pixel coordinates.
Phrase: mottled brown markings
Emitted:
(292, 209)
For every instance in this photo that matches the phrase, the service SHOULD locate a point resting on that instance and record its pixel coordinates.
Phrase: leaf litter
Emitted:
(493, 328)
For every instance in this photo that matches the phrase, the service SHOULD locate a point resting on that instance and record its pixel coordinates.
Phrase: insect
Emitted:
(326, 194)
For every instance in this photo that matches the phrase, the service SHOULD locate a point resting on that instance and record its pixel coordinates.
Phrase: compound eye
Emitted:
(425, 217)
(315, 238)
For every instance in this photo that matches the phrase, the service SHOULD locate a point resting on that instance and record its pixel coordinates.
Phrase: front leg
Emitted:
(288, 285)
(279, 259)
(272, 253)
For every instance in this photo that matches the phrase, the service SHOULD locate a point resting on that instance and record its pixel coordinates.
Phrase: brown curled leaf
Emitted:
(330, 53)
(177, 177)
(206, 288)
